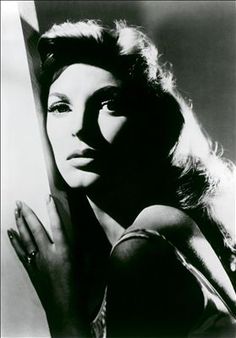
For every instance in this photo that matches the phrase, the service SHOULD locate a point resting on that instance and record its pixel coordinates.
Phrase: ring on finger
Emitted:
(31, 256)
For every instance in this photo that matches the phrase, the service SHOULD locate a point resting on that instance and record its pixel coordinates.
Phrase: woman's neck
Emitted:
(120, 198)
(116, 204)
(112, 228)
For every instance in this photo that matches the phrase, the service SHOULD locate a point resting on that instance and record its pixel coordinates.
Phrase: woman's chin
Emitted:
(82, 179)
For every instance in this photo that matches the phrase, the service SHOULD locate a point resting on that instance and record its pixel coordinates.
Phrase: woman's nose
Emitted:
(84, 124)
(78, 121)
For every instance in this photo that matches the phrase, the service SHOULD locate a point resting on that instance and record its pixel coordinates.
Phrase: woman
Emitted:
(151, 253)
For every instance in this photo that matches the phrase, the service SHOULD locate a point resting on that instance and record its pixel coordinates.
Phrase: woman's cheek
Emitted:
(110, 126)
(57, 127)
(57, 139)
(52, 129)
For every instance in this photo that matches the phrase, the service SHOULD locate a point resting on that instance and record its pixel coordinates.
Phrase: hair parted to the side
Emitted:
(122, 41)
(206, 180)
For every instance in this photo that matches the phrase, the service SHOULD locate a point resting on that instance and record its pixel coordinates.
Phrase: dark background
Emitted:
(196, 37)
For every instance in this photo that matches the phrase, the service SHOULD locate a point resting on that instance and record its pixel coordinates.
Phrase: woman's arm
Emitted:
(51, 267)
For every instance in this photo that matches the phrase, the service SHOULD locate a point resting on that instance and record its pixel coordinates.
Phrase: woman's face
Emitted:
(83, 121)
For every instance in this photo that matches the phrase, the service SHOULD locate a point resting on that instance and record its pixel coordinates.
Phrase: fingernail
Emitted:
(17, 213)
(14, 232)
(18, 210)
(10, 234)
(19, 205)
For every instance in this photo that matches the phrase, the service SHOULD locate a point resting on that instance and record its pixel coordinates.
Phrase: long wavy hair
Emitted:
(205, 180)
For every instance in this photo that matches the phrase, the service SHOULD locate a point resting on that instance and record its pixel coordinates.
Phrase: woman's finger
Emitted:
(37, 229)
(56, 225)
(25, 234)
(17, 245)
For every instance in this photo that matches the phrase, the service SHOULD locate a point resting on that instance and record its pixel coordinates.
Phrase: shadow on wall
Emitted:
(107, 11)
(196, 37)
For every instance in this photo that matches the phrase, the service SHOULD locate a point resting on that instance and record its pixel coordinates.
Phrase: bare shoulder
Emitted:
(179, 232)
(167, 220)
(141, 277)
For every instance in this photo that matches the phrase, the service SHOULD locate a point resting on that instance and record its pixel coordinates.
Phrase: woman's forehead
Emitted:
(84, 78)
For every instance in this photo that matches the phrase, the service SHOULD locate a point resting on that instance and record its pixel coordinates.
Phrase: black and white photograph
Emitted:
(118, 152)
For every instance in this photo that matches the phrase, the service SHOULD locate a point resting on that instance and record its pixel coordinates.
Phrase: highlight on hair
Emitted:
(206, 180)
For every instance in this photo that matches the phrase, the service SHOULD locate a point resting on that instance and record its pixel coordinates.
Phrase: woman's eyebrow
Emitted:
(106, 92)
(60, 96)
(100, 94)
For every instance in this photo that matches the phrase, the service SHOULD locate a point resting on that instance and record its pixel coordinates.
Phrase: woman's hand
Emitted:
(51, 268)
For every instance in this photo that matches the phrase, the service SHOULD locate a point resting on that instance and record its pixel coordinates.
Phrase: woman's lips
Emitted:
(80, 161)
(84, 153)
(81, 158)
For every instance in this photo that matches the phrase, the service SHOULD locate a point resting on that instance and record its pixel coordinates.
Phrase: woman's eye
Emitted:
(59, 108)
(110, 107)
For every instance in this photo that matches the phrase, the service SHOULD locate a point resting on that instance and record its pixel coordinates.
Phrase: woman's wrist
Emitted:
(68, 321)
